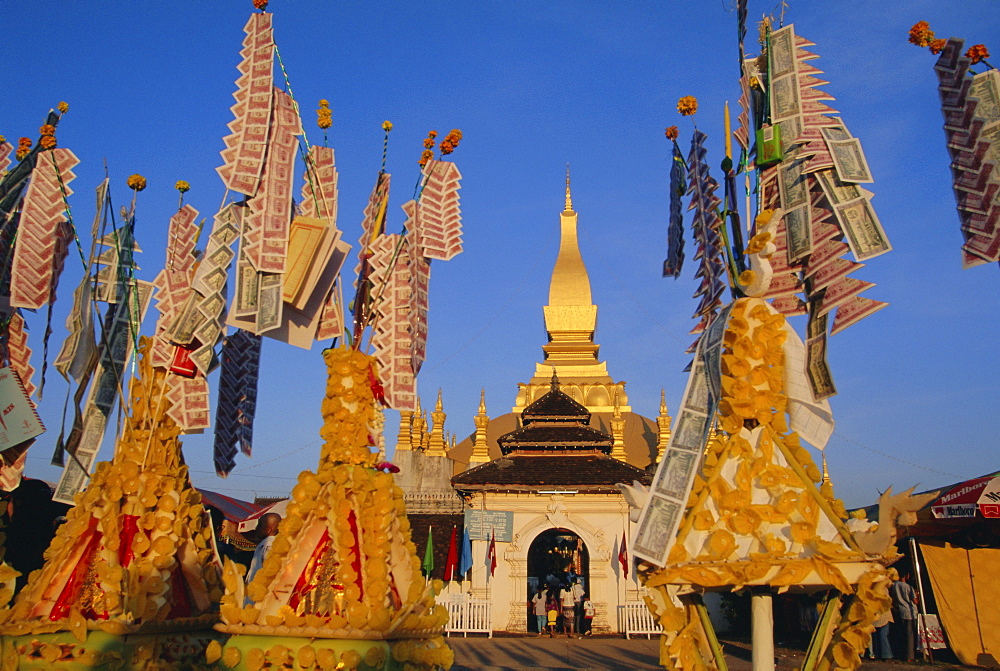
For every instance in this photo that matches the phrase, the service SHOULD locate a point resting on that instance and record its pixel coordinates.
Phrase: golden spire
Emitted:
(436, 442)
(570, 321)
(618, 432)
(403, 440)
(826, 474)
(480, 448)
(569, 196)
(663, 424)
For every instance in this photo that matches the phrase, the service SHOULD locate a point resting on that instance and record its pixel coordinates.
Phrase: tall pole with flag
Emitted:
(451, 564)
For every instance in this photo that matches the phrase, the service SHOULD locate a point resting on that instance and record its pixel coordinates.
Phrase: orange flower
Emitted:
(260, 4)
(429, 142)
(938, 45)
(23, 148)
(671, 132)
(921, 34)
(425, 156)
(47, 129)
(136, 182)
(977, 53)
(432, 134)
(47, 142)
(450, 141)
(687, 105)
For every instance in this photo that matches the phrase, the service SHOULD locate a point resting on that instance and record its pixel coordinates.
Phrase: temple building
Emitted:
(540, 480)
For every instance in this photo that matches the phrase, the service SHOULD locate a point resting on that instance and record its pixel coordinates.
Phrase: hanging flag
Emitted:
(451, 564)
(466, 562)
(491, 554)
(623, 557)
(428, 564)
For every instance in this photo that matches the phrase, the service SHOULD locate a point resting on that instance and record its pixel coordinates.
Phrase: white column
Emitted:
(762, 625)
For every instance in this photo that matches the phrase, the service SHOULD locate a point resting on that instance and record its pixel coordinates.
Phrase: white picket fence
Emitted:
(634, 618)
(469, 616)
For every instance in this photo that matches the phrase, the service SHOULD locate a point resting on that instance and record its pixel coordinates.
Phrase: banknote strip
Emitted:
(392, 332)
(172, 286)
(265, 234)
(331, 321)
(372, 221)
(854, 310)
(209, 286)
(664, 508)
(32, 280)
(246, 145)
(78, 353)
(785, 282)
(420, 277)
(237, 399)
(105, 390)
(115, 265)
(705, 225)
(820, 378)
(319, 193)
(673, 264)
(18, 352)
(188, 403)
(6, 149)
(439, 215)
(970, 108)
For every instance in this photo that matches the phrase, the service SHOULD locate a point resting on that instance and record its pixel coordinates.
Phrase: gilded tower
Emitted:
(570, 321)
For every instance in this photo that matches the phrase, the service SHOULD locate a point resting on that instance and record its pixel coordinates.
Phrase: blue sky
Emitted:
(535, 86)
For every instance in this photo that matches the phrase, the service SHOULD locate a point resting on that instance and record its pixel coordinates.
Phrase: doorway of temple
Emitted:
(556, 559)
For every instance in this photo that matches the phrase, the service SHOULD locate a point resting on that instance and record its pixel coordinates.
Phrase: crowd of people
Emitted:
(565, 608)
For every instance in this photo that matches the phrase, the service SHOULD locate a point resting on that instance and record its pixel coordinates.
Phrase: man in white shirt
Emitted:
(267, 526)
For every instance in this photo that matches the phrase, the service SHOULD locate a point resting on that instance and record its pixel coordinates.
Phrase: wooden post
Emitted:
(762, 627)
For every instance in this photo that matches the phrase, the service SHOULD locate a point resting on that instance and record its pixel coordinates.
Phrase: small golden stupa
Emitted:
(341, 587)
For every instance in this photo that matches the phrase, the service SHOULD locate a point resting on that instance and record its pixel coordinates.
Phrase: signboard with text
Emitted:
(480, 524)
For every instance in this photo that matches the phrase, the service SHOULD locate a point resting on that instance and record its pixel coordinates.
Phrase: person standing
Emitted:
(267, 528)
(880, 647)
(904, 615)
(578, 593)
(538, 608)
(568, 600)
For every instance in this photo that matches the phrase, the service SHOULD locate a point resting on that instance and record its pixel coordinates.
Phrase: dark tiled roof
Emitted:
(555, 405)
(592, 472)
(555, 435)
(640, 437)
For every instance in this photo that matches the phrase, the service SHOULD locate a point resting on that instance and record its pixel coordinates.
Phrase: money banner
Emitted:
(661, 515)
(108, 381)
(32, 273)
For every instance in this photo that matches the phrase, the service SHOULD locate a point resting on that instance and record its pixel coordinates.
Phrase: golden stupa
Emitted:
(341, 587)
(132, 579)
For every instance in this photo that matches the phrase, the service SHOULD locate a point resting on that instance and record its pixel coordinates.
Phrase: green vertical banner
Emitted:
(428, 564)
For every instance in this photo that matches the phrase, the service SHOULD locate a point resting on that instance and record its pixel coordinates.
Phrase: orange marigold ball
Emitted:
(921, 34)
(977, 53)
(687, 105)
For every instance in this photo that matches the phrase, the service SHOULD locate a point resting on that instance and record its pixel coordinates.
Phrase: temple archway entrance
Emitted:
(556, 558)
